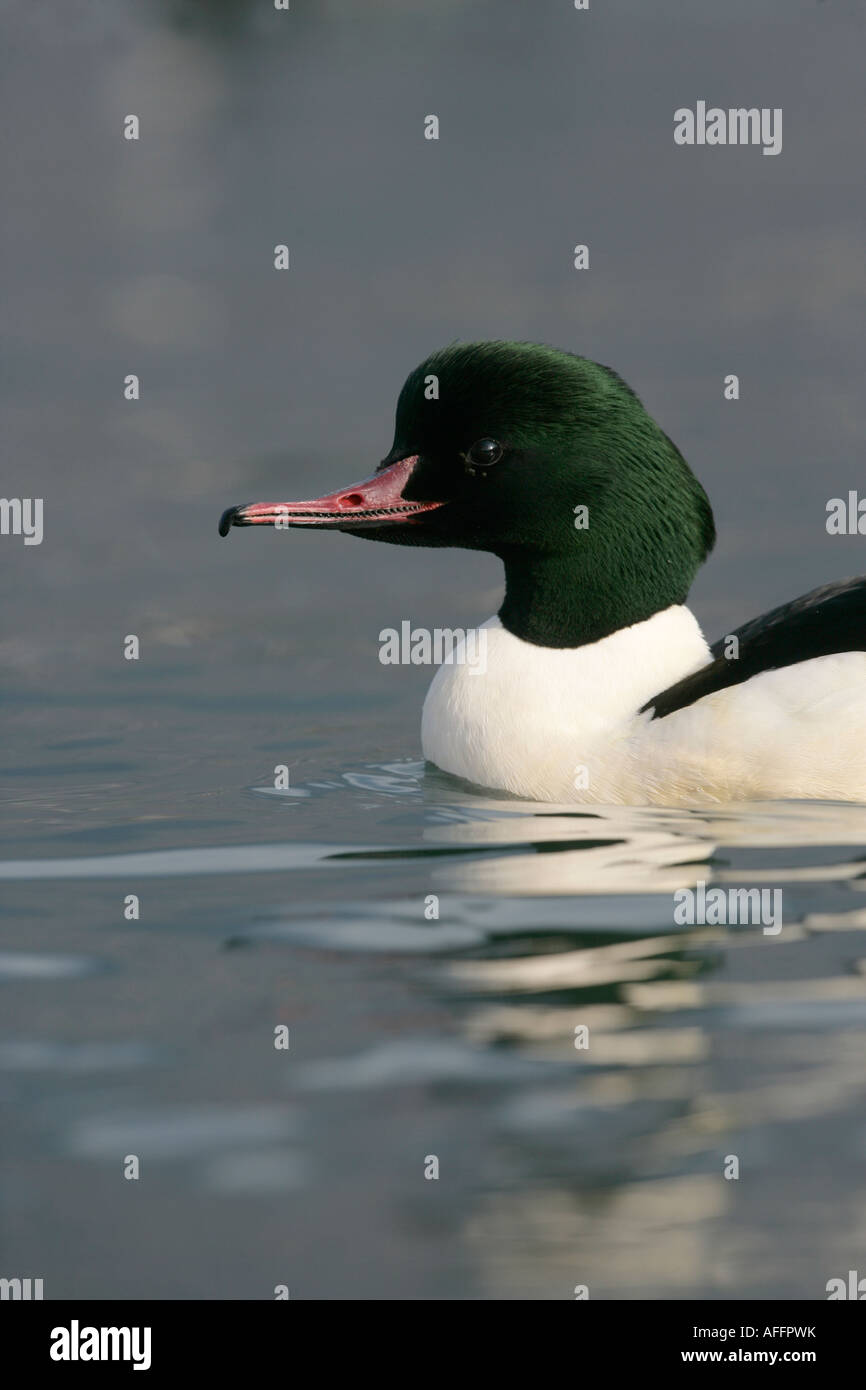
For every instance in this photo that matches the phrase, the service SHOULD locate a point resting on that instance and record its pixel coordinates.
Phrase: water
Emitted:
(310, 909)
(413, 1035)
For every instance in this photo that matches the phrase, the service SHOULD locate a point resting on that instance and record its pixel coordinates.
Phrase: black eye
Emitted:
(484, 453)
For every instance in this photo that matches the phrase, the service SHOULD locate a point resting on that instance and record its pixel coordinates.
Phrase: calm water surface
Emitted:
(412, 1037)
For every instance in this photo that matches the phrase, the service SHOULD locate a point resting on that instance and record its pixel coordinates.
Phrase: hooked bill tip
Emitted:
(227, 519)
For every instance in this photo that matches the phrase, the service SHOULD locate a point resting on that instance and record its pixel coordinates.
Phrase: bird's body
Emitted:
(597, 684)
(566, 724)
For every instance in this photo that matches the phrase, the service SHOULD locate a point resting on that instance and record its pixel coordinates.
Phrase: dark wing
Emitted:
(830, 619)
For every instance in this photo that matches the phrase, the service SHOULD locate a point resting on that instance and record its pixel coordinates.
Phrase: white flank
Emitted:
(563, 725)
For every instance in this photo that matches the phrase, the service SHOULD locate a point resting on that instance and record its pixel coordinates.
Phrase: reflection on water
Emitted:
(21, 965)
(609, 1061)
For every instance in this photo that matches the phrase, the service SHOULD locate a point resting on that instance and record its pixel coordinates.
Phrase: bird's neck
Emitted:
(555, 601)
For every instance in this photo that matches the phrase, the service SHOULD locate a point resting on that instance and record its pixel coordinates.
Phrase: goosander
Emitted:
(599, 685)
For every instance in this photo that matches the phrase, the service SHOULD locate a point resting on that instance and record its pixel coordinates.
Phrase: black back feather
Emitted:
(827, 620)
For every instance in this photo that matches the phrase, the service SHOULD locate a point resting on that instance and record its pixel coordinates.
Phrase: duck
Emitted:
(598, 685)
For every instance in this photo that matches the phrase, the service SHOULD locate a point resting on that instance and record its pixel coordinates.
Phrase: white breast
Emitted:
(563, 725)
(539, 721)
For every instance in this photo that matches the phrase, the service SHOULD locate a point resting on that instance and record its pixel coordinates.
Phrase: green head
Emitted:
(549, 461)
